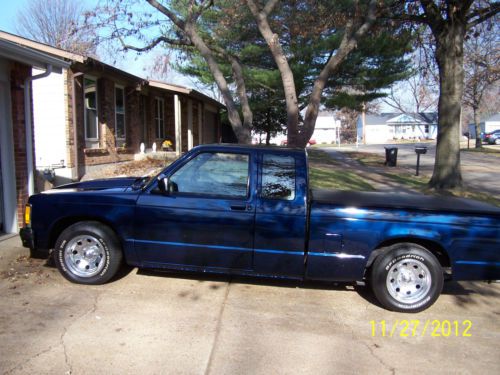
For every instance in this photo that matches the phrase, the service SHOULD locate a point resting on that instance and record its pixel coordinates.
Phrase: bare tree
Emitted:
(449, 21)
(58, 24)
(414, 95)
(186, 35)
(482, 70)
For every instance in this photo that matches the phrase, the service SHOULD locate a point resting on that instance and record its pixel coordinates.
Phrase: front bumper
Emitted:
(27, 237)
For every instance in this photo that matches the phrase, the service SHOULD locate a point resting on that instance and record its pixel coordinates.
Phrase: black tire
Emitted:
(406, 277)
(88, 252)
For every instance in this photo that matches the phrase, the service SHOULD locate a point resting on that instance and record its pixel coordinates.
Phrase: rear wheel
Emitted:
(88, 253)
(407, 278)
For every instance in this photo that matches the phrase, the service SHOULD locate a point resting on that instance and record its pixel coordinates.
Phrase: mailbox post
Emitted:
(419, 150)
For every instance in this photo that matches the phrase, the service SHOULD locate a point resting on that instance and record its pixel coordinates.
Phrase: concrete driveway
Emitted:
(157, 323)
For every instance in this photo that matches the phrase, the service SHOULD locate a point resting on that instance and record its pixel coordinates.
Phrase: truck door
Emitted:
(207, 219)
(281, 214)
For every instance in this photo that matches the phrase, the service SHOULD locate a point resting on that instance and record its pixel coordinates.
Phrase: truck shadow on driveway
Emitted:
(464, 293)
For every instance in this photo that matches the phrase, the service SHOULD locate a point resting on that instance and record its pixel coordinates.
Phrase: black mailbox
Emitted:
(420, 150)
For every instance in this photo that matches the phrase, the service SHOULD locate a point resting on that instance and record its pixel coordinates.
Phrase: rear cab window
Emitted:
(278, 177)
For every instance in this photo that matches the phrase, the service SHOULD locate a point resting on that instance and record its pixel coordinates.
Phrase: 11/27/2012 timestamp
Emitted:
(418, 328)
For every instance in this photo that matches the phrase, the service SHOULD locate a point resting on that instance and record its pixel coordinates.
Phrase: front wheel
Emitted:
(406, 278)
(88, 253)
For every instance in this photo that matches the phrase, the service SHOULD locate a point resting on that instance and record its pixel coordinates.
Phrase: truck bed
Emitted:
(403, 201)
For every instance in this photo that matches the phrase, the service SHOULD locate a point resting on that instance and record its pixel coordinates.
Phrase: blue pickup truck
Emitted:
(249, 210)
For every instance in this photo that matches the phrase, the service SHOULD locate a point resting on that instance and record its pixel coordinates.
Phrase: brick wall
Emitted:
(139, 107)
(19, 72)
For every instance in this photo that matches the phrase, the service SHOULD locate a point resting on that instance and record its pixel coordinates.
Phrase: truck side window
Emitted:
(278, 177)
(214, 174)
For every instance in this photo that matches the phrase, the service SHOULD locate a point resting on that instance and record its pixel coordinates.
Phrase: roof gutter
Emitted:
(28, 126)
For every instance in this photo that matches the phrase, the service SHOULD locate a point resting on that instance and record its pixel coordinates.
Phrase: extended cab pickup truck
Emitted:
(249, 210)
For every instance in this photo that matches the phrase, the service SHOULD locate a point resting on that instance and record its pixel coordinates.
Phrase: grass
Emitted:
(367, 159)
(326, 173)
(339, 179)
(483, 150)
(418, 183)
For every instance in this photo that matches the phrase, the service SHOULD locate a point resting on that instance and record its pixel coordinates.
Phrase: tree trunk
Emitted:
(272, 40)
(241, 90)
(242, 131)
(449, 57)
(477, 125)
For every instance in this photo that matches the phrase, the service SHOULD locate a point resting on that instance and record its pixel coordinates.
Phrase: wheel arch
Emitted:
(433, 246)
(66, 222)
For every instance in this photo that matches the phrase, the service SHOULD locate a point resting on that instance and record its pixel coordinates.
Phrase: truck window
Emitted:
(215, 174)
(278, 177)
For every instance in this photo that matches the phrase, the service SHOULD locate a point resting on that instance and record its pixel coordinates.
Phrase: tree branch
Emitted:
(268, 8)
(482, 15)
(432, 11)
(160, 7)
(154, 43)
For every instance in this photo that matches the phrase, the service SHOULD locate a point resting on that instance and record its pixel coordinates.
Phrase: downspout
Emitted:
(28, 127)
(75, 175)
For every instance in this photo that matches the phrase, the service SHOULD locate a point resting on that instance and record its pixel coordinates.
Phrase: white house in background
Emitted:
(327, 128)
(384, 127)
(488, 125)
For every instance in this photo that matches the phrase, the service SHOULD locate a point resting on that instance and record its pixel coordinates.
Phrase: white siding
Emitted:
(325, 130)
(49, 118)
(377, 133)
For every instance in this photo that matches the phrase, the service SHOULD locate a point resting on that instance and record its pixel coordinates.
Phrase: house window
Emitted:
(427, 128)
(160, 118)
(91, 119)
(120, 113)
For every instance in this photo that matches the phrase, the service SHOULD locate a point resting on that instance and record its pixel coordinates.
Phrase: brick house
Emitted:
(95, 114)
(16, 128)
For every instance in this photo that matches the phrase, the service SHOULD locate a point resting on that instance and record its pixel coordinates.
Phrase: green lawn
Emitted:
(335, 178)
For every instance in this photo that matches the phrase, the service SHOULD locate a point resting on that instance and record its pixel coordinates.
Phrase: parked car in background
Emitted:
(311, 142)
(492, 138)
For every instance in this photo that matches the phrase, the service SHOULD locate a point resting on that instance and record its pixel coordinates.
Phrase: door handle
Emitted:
(241, 207)
(237, 207)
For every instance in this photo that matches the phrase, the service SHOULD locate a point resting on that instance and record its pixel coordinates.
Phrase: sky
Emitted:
(8, 14)
(131, 64)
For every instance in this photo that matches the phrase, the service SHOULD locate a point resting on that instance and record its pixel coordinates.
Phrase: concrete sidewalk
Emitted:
(159, 323)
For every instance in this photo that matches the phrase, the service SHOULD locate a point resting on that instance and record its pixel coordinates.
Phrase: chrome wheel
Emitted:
(84, 255)
(408, 281)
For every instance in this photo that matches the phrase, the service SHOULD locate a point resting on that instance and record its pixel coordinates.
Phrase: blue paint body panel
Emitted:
(314, 235)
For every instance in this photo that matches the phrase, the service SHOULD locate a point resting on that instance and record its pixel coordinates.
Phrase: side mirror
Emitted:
(163, 185)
